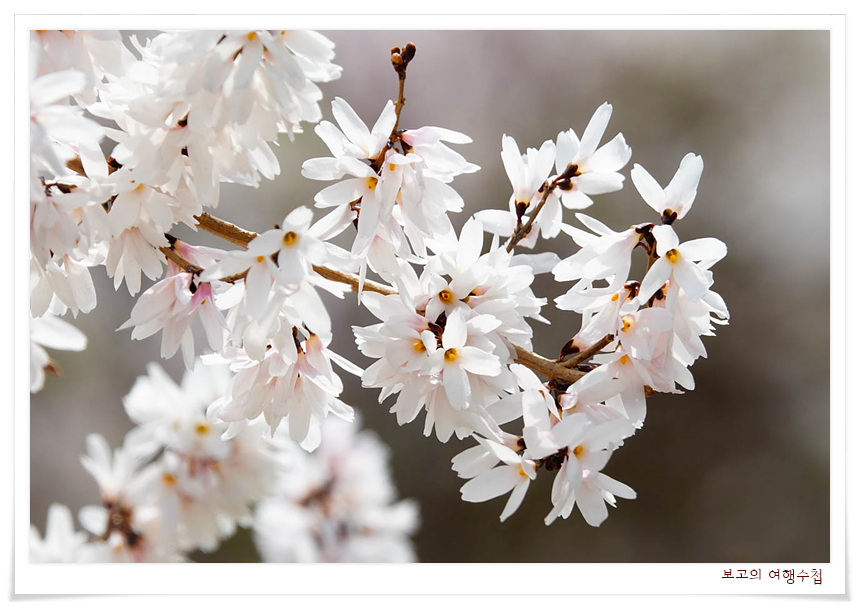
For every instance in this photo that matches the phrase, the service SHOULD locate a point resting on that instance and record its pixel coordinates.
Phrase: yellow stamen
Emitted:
(260, 258)
(392, 167)
(202, 428)
(450, 354)
(168, 479)
(418, 346)
(252, 35)
(290, 238)
(615, 297)
(673, 256)
(627, 323)
(522, 472)
(578, 450)
(446, 296)
(371, 182)
(624, 359)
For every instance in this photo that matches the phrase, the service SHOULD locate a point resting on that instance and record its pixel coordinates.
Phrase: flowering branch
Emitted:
(563, 371)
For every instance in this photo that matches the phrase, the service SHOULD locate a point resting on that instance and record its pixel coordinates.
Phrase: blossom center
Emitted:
(260, 258)
(624, 359)
(201, 428)
(626, 323)
(446, 296)
(168, 479)
(290, 238)
(578, 450)
(418, 346)
(371, 182)
(450, 355)
(615, 297)
(673, 256)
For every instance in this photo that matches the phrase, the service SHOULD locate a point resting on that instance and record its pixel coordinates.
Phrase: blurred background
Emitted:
(735, 471)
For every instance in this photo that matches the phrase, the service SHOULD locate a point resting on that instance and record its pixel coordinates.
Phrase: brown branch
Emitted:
(400, 59)
(589, 353)
(225, 229)
(548, 368)
(352, 281)
(560, 371)
(180, 261)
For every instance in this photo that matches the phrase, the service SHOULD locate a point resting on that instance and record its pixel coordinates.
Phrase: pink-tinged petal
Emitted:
(492, 484)
(455, 331)
(594, 132)
(681, 190)
(610, 157)
(691, 279)
(479, 362)
(711, 249)
(655, 278)
(516, 499)
(351, 124)
(457, 388)
(648, 188)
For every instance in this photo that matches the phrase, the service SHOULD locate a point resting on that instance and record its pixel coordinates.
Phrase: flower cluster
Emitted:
(178, 485)
(335, 505)
(453, 338)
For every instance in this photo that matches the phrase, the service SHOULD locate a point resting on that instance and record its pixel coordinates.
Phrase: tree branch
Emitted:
(551, 369)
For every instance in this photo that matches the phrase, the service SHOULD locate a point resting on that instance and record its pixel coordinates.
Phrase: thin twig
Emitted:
(522, 232)
(587, 354)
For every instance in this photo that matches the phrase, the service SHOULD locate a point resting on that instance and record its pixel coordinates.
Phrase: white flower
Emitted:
(487, 482)
(673, 202)
(456, 360)
(586, 169)
(678, 261)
